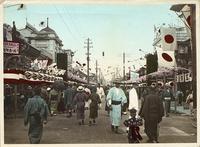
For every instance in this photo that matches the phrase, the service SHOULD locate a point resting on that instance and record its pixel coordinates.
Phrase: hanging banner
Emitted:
(11, 47)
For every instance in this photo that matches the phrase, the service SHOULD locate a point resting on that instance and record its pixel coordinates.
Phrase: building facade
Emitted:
(46, 40)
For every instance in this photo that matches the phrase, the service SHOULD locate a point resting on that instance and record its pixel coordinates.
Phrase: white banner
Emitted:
(188, 77)
(11, 47)
(184, 77)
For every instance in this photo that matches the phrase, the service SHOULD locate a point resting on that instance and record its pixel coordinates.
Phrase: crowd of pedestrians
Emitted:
(151, 106)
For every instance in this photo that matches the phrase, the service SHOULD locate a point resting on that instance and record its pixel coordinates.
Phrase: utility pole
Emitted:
(124, 78)
(96, 71)
(124, 66)
(88, 58)
(100, 75)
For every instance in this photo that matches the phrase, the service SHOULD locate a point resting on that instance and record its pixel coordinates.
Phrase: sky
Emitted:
(112, 28)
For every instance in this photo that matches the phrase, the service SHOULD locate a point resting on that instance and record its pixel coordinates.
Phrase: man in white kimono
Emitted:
(133, 100)
(115, 100)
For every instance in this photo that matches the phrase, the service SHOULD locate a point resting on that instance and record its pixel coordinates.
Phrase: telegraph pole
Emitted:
(88, 58)
(124, 69)
(124, 66)
(96, 71)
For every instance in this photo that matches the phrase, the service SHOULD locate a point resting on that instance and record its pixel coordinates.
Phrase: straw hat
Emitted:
(80, 88)
(153, 85)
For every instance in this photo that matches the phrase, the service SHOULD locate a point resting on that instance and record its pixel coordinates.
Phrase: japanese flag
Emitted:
(166, 59)
(168, 39)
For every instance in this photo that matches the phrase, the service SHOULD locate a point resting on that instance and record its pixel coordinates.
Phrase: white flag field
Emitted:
(166, 59)
(168, 39)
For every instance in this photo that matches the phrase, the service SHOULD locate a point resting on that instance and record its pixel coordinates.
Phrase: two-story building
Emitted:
(44, 40)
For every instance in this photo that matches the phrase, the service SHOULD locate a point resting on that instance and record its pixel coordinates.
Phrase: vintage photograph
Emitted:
(99, 73)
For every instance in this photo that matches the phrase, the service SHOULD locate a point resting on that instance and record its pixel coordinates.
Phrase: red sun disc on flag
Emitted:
(169, 38)
(167, 57)
(189, 20)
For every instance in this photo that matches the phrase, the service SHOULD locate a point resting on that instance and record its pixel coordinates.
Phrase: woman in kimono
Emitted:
(36, 112)
(54, 98)
(79, 100)
(95, 100)
(115, 98)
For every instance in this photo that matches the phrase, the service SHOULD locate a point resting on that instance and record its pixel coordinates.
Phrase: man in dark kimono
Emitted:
(152, 112)
(36, 112)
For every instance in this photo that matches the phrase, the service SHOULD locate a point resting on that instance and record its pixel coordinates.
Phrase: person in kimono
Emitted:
(167, 97)
(68, 100)
(152, 112)
(115, 98)
(133, 124)
(54, 97)
(133, 100)
(36, 112)
(100, 92)
(88, 93)
(79, 100)
(95, 100)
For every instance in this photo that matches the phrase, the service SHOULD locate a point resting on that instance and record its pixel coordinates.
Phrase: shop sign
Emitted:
(184, 77)
(11, 47)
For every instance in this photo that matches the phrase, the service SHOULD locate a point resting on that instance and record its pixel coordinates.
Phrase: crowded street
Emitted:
(121, 73)
(63, 130)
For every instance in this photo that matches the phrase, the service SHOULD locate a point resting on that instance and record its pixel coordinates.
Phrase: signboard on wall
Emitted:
(185, 77)
(11, 47)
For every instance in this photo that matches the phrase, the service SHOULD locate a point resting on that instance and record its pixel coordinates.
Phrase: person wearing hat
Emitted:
(115, 100)
(79, 100)
(87, 103)
(133, 124)
(152, 112)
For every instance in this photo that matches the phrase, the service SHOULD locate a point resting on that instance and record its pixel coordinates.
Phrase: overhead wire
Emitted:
(73, 22)
(67, 26)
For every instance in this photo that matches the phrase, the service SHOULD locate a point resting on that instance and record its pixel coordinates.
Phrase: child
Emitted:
(133, 123)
